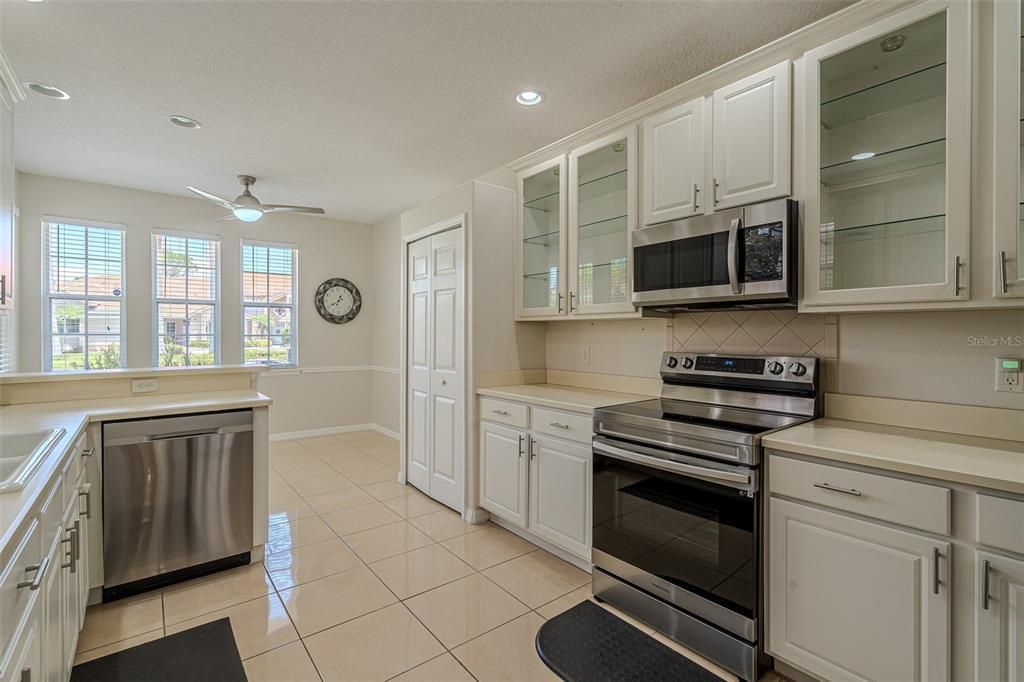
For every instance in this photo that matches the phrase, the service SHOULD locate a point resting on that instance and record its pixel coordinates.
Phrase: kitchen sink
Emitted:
(21, 454)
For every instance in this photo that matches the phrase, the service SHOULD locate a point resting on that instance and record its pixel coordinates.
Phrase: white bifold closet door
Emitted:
(436, 410)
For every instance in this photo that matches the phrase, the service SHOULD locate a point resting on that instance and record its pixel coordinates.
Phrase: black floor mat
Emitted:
(589, 644)
(205, 653)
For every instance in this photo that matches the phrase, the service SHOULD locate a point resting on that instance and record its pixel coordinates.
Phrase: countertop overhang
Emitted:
(970, 460)
(75, 415)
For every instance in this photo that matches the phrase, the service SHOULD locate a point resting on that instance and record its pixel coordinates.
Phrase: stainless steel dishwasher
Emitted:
(177, 499)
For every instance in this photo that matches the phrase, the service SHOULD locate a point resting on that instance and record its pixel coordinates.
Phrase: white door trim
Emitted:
(454, 222)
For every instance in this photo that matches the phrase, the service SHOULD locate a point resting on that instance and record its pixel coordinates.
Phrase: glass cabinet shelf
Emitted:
(541, 275)
(546, 239)
(546, 203)
(931, 223)
(886, 163)
(885, 97)
(599, 228)
(606, 184)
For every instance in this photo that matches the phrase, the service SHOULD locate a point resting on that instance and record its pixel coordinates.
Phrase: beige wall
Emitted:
(387, 307)
(335, 379)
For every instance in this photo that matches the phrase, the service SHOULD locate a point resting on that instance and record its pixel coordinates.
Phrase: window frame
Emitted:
(157, 300)
(294, 305)
(48, 297)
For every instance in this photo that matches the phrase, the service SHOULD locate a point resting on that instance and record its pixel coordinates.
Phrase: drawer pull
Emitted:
(37, 579)
(503, 413)
(936, 556)
(837, 489)
(86, 492)
(558, 425)
(88, 452)
(26, 675)
(986, 572)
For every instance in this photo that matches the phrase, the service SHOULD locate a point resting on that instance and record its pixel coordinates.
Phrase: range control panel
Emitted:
(762, 367)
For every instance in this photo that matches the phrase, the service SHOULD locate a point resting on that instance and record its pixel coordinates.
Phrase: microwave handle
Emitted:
(733, 255)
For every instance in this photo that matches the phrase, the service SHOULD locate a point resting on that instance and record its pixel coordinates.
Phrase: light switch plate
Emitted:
(1008, 375)
(145, 385)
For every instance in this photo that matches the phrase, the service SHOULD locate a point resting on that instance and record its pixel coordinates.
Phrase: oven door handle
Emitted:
(733, 255)
(717, 475)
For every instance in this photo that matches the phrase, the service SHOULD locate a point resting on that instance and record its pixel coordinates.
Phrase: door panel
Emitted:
(418, 331)
(852, 600)
(560, 479)
(444, 329)
(503, 472)
(751, 139)
(674, 163)
(444, 431)
(999, 639)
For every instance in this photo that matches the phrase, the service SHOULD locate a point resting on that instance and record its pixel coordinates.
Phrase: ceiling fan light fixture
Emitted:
(247, 215)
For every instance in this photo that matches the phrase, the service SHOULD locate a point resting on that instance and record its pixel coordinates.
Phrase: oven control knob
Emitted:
(687, 363)
(671, 362)
(797, 369)
(775, 367)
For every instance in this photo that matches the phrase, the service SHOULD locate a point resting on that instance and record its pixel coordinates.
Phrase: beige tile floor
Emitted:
(365, 579)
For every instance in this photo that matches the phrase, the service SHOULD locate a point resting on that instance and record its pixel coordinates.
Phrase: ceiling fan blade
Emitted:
(230, 205)
(281, 208)
(229, 216)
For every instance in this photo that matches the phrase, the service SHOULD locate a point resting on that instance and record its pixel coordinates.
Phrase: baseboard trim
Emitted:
(330, 431)
(544, 544)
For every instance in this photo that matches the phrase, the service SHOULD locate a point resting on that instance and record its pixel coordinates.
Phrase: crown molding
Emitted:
(11, 91)
(791, 46)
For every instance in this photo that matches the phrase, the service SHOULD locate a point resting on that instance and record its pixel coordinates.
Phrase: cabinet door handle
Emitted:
(533, 449)
(77, 545)
(561, 308)
(26, 675)
(88, 452)
(696, 191)
(957, 264)
(714, 192)
(837, 489)
(87, 494)
(72, 550)
(572, 301)
(986, 572)
(936, 557)
(520, 447)
(37, 579)
(1002, 271)
(558, 425)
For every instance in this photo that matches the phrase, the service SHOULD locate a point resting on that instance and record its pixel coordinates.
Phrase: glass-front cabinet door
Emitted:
(541, 248)
(602, 214)
(1008, 254)
(888, 149)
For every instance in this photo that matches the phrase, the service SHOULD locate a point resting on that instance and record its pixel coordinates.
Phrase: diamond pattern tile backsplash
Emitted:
(769, 332)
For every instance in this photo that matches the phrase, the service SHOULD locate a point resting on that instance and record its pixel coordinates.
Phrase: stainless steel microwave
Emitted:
(742, 257)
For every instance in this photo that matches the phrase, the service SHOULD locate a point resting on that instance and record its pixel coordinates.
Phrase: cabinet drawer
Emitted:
(72, 467)
(575, 427)
(1001, 522)
(916, 505)
(503, 412)
(15, 601)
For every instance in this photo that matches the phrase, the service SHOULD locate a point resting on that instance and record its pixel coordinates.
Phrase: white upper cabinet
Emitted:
(673, 162)
(540, 252)
(1008, 211)
(602, 214)
(888, 157)
(751, 139)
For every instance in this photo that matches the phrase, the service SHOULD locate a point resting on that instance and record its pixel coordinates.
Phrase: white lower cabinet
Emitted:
(538, 482)
(503, 472)
(25, 663)
(999, 618)
(560, 497)
(854, 600)
(52, 626)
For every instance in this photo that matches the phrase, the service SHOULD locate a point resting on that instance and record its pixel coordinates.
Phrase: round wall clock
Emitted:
(338, 300)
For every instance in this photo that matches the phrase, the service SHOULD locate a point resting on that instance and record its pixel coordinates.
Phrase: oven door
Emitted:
(681, 528)
(688, 260)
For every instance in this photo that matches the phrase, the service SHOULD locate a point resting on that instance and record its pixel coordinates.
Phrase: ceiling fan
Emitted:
(248, 208)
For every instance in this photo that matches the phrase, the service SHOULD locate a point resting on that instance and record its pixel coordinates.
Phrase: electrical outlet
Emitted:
(145, 385)
(1008, 375)
(586, 355)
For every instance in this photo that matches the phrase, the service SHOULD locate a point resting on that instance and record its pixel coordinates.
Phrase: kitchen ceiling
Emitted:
(364, 108)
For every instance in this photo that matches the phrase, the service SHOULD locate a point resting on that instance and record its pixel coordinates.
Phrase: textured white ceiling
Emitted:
(364, 108)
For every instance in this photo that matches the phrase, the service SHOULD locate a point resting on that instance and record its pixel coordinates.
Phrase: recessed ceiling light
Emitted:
(35, 0)
(529, 98)
(184, 121)
(46, 90)
(861, 156)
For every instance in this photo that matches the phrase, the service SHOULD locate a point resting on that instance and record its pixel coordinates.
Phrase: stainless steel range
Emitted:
(677, 498)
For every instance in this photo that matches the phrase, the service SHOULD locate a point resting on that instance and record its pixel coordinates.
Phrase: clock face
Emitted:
(338, 300)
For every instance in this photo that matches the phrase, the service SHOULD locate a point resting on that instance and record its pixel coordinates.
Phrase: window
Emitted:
(84, 295)
(269, 283)
(186, 294)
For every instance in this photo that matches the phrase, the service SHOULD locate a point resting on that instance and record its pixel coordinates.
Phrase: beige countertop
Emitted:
(982, 462)
(73, 416)
(569, 398)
